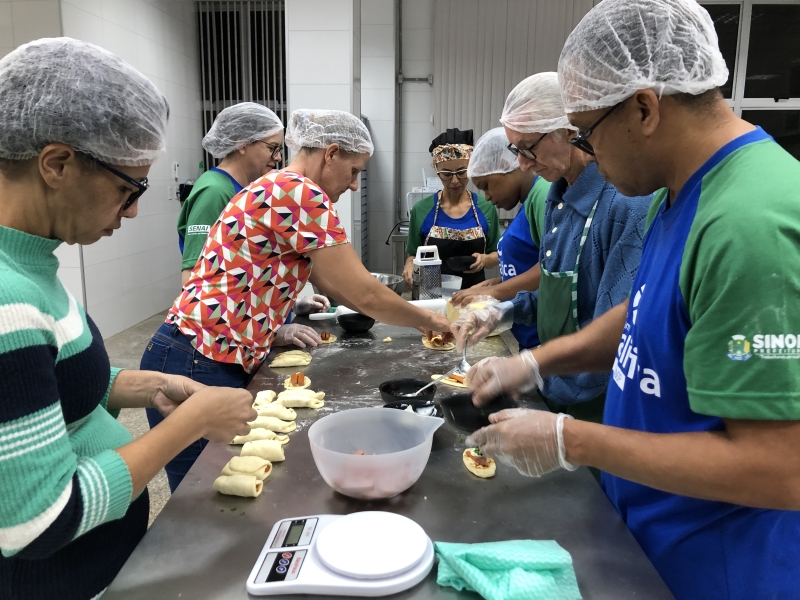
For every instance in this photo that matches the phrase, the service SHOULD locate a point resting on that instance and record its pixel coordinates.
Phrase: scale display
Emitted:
(345, 562)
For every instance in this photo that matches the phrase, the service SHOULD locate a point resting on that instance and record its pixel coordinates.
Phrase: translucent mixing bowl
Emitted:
(400, 440)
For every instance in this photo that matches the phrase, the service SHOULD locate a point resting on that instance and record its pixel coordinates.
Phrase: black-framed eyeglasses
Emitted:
(448, 175)
(141, 186)
(274, 150)
(526, 152)
(581, 142)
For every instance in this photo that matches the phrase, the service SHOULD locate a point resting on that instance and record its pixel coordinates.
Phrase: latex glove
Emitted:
(478, 265)
(314, 303)
(472, 326)
(530, 440)
(464, 297)
(172, 391)
(490, 378)
(297, 334)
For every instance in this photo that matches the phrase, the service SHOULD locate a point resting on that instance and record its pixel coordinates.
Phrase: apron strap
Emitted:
(474, 212)
(574, 273)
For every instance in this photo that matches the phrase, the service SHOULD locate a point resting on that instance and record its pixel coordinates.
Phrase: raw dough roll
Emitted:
(259, 433)
(274, 424)
(271, 450)
(248, 465)
(264, 397)
(479, 465)
(238, 485)
(276, 410)
(301, 398)
(292, 358)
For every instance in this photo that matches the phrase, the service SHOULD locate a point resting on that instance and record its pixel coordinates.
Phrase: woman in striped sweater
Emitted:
(79, 129)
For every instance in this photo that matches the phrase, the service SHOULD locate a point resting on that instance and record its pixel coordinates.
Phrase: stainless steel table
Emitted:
(203, 544)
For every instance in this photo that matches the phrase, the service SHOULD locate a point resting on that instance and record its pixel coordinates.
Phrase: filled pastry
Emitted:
(248, 486)
(271, 450)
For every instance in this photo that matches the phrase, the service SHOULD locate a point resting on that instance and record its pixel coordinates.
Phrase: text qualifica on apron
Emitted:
(458, 242)
(557, 312)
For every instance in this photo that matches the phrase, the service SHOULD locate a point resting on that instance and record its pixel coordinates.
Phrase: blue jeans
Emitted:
(169, 351)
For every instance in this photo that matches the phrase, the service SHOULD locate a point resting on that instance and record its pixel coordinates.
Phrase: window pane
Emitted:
(726, 22)
(773, 59)
(783, 125)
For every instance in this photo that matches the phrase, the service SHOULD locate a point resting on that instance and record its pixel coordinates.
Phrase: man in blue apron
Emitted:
(495, 171)
(700, 446)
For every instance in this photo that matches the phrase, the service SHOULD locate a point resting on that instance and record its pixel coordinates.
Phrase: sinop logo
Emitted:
(739, 348)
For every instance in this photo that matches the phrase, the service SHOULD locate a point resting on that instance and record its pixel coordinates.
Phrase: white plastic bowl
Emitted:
(400, 440)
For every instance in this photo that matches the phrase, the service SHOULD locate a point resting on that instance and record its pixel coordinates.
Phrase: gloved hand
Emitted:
(297, 334)
(493, 376)
(530, 440)
(313, 303)
(472, 326)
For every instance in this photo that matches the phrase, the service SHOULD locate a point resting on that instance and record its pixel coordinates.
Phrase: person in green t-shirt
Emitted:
(248, 137)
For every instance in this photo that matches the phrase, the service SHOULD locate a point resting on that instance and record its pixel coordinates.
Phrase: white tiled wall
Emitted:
(322, 65)
(378, 104)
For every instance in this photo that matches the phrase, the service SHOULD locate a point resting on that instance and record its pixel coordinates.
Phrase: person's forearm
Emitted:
(491, 261)
(524, 282)
(147, 454)
(185, 276)
(591, 349)
(134, 389)
(751, 471)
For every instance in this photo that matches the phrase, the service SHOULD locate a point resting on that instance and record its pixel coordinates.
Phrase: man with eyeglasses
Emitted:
(588, 234)
(700, 441)
(248, 137)
(458, 222)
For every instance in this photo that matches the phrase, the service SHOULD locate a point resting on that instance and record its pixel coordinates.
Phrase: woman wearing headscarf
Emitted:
(457, 221)
(248, 137)
(494, 170)
(258, 257)
(589, 238)
(72, 480)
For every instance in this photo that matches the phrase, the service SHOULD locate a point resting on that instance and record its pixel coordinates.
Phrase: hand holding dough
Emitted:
(301, 398)
(259, 433)
(271, 450)
(248, 465)
(274, 424)
(292, 358)
(276, 410)
(264, 397)
(238, 485)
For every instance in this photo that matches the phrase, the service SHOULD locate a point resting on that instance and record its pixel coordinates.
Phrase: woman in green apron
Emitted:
(457, 221)
(589, 238)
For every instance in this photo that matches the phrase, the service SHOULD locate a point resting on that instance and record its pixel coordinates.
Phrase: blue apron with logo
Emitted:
(702, 549)
(517, 253)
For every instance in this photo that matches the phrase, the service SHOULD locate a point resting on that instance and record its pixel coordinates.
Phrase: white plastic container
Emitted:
(400, 440)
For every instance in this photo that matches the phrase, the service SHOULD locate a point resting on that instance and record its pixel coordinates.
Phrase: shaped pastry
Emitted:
(271, 450)
(264, 397)
(248, 465)
(292, 358)
(274, 424)
(301, 398)
(238, 485)
(259, 433)
(276, 410)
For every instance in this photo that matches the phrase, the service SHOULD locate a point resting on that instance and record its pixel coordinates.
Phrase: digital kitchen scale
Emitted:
(362, 554)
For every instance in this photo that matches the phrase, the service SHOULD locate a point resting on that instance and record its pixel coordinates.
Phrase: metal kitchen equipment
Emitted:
(429, 265)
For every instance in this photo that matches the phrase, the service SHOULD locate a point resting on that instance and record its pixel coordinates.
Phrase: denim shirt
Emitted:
(609, 260)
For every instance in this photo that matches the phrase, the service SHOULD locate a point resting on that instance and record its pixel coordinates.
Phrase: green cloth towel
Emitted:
(512, 570)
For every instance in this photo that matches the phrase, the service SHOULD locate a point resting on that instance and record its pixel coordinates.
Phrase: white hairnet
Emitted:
(239, 125)
(535, 105)
(76, 93)
(312, 128)
(622, 46)
(491, 155)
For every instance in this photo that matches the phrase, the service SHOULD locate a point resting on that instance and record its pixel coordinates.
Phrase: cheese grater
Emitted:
(430, 271)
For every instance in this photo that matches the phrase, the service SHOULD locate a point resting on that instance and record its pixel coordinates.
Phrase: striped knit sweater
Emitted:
(67, 523)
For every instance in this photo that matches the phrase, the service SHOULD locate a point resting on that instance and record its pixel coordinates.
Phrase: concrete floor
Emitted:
(125, 351)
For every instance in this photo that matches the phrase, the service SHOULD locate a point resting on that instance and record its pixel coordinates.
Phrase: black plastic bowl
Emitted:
(459, 411)
(398, 389)
(355, 322)
(459, 264)
(428, 409)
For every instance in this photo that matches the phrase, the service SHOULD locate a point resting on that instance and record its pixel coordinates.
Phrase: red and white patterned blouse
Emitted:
(253, 266)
